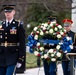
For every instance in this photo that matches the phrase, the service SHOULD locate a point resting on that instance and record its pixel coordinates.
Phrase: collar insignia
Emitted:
(13, 22)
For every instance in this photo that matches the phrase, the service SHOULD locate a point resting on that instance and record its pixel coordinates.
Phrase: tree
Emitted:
(39, 11)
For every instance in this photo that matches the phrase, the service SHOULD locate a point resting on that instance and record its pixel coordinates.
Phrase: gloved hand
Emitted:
(18, 65)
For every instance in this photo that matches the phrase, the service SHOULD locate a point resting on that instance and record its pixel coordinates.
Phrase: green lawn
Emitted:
(31, 60)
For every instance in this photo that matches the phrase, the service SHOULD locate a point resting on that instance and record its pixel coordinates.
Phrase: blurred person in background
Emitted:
(49, 68)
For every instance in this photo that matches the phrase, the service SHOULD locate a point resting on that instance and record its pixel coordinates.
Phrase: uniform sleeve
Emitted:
(74, 44)
(21, 35)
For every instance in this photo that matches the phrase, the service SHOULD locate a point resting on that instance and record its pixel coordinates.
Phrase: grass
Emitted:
(31, 60)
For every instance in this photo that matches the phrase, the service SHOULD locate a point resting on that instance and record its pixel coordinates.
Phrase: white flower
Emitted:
(64, 30)
(58, 54)
(51, 51)
(71, 46)
(51, 30)
(41, 33)
(35, 28)
(36, 53)
(41, 48)
(38, 44)
(61, 33)
(37, 31)
(58, 47)
(58, 36)
(59, 26)
(42, 56)
(55, 28)
(53, 59)
(45, 56)
(51, 24)
(36, 37)
(45, 24)
(41, 26)
(46, 32)
(52, 55)
(44, 28)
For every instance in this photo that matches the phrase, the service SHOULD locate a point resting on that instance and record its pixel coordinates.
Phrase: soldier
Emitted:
(49, 69)
(65, 61)
(12, 42)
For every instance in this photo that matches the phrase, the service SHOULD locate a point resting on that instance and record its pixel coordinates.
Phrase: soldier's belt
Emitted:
(9, 44)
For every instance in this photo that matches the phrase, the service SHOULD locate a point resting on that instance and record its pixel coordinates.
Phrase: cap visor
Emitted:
(66, 25)
(7, 10)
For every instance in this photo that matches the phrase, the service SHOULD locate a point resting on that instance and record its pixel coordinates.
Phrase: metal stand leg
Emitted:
(72, 70)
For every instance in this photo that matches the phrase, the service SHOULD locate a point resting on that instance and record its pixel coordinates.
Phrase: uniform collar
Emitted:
(69, 31)
(9, 21)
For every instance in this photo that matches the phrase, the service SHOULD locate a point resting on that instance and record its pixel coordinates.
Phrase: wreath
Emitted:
(59, 38)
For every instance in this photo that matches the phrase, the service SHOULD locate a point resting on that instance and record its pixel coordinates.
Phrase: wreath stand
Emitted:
(72, 55)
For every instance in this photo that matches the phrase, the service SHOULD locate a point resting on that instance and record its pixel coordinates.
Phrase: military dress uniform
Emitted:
(49, 69)
(12, 43)
(65, 61)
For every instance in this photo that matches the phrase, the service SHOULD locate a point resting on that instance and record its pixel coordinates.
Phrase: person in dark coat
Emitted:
(65, 61)
(49, 68)
(12, 42)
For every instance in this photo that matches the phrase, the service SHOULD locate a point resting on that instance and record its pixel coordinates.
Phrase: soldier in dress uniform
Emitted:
(65, 61)
(49, 68)
(12, 42)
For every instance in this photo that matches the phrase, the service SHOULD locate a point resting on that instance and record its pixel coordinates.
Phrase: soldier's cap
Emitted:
(51, 18)
(67, 22)
(8, 8)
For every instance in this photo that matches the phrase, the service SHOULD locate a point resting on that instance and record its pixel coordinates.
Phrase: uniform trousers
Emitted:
(66, 67)
(49, 68)
(7, 70)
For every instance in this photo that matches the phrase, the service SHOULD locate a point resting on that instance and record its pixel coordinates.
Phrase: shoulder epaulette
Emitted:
(17, 20)
(20, 23)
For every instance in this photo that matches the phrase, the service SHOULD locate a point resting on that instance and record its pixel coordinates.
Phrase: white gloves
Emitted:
(18, 65)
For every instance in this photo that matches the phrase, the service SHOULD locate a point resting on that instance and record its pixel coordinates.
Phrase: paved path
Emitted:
(40, 71)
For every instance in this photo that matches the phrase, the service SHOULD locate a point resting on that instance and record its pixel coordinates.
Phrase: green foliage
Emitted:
(62, 15)
(37, 13)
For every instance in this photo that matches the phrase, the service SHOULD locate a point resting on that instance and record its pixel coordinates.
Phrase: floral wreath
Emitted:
(56, 31)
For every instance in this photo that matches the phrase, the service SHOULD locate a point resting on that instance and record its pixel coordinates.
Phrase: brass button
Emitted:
(5, 37)
(5, 33)
(5, 43)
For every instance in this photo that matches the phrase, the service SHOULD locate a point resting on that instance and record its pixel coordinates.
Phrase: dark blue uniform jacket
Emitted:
(14, 33)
